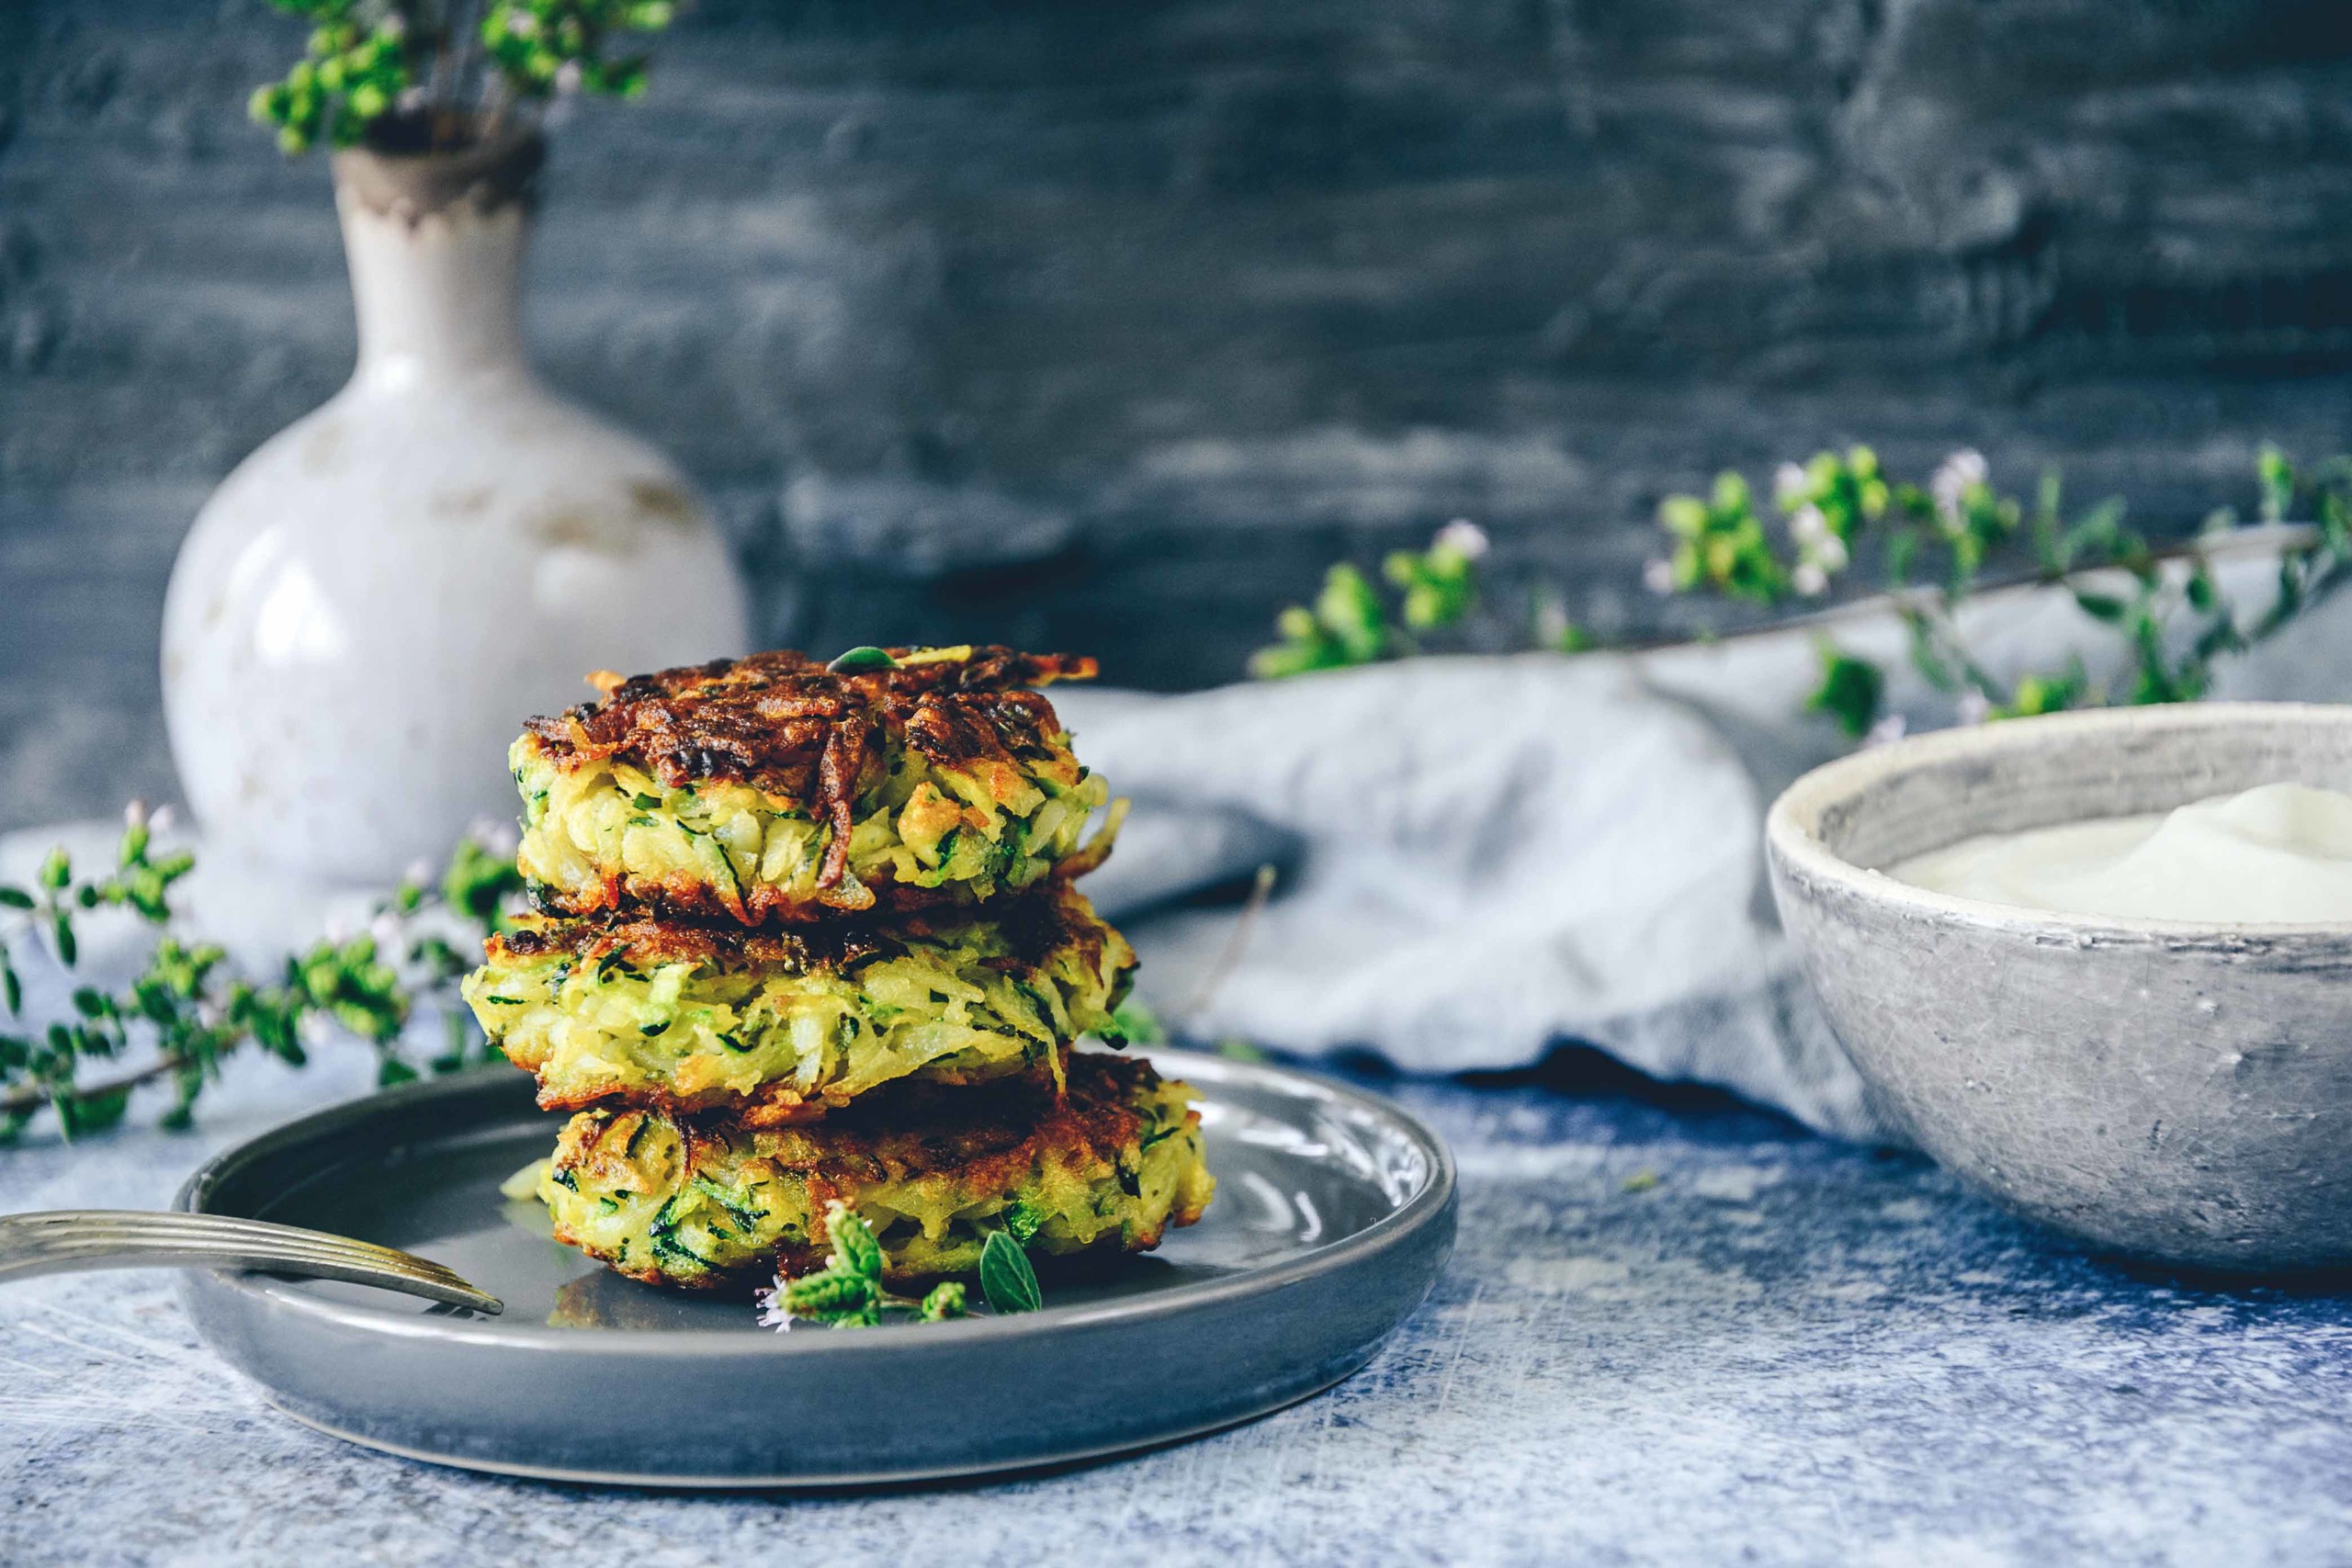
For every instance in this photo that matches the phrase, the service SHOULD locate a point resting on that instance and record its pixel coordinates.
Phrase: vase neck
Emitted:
(438, 294)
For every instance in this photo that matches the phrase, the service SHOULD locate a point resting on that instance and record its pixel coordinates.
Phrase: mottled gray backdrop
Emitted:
(1104, 323)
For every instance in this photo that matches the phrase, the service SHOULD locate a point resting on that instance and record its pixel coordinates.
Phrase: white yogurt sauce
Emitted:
(2280, 852)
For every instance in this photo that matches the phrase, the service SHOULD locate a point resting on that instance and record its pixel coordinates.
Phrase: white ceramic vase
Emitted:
(371, 604)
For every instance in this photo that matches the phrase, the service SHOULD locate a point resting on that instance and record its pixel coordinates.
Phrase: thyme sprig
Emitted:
(1938, 546)
(188, 1005)
(848, 1292)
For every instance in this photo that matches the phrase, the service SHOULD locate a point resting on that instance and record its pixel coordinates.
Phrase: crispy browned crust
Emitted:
(783, 723)
(1033, 924)
(682, 895)
(775, 1105)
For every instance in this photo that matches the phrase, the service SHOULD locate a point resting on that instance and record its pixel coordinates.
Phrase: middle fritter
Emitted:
(777, 1026)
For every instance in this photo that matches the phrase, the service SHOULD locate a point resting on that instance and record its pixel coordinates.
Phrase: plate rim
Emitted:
(1434, 1200)
(820, 1481)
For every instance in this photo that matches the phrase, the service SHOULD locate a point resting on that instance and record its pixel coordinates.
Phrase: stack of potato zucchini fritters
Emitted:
(806, 933)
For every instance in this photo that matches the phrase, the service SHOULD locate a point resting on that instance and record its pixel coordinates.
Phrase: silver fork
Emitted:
(67, 1241)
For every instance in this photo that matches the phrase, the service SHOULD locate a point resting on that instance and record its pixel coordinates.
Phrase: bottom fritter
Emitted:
(697, 1202)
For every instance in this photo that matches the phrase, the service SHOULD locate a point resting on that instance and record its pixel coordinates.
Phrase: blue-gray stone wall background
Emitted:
(1105, 324)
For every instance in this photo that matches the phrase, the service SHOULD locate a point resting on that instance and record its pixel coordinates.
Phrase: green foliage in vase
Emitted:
(186, 1012)
(460, 69)
(541, 46)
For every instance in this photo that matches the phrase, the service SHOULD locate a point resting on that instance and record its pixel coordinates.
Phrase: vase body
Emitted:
(372, 603)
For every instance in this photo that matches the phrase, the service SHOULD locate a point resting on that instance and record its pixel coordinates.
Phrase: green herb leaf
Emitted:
(1134, 1024)
(829, 1290)
(945, 1301)
(90, 1112)
(1025, 1221)
(1006, 1279)
(854, 1247)
(1849, 691)
(861, 660)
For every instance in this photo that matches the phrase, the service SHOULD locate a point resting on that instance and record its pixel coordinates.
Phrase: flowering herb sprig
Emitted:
(1934, 545)
(1351, 623)
(848, 1292)
(193, 1011)
(459, 68)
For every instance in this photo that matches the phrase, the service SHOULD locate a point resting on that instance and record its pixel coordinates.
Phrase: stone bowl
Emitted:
(2160, 1088)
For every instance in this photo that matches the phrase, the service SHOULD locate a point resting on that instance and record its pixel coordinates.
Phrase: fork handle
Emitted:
(71, 1242)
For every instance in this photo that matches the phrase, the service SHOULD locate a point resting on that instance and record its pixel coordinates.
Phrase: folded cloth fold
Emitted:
(1493, 855)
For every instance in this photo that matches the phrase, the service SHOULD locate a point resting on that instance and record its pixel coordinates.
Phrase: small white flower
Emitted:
(419, 874)
(386, 930)
(1974, 708)
(1830, 551)
(773, 1313)
(1807, 525)
(1657, 576)
(1551, 621)
(567, 76)
(1790, 484)
(1961, 472)
(162, 819)
(1889, 729)
(134, 813)
(1810, 579)
(1466, 537)
(338, 930)
(521, 23)
(494, 834)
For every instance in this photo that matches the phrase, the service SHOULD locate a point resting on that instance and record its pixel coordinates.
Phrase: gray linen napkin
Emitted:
(1486, 856)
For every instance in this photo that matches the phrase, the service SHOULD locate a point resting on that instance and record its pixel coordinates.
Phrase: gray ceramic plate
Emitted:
(1334, 1213)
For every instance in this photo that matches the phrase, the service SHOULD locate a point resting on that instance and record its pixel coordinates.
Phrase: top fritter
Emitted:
(774, 788)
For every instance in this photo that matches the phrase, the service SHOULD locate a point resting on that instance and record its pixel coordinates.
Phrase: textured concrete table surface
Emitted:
(1675, 1330)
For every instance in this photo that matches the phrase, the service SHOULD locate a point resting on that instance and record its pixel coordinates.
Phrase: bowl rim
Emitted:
(1793, 844)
